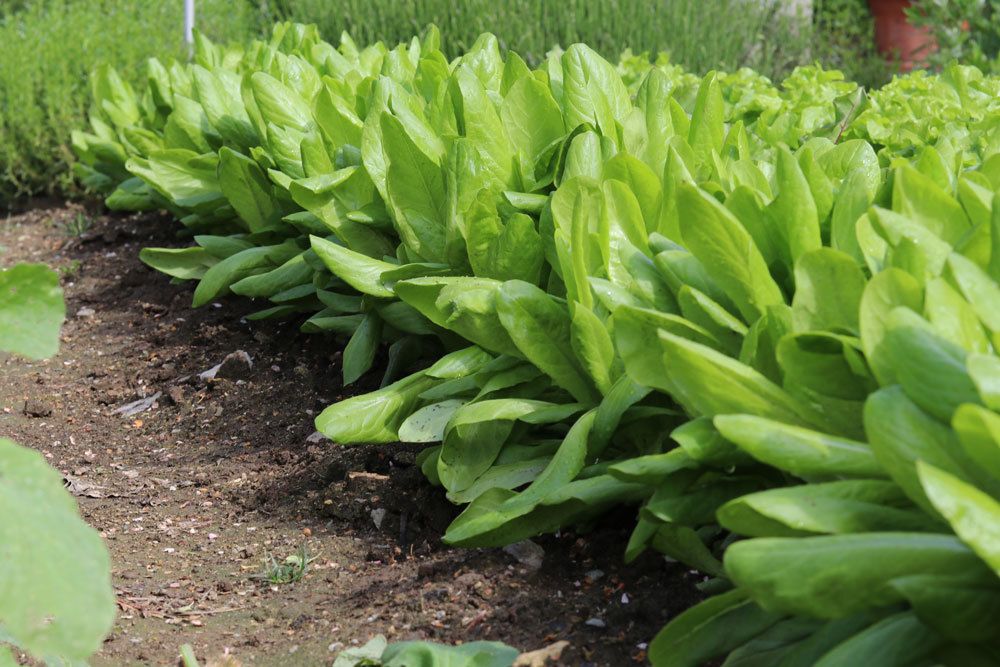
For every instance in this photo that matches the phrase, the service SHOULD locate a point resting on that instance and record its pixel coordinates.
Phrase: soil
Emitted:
(195, 494)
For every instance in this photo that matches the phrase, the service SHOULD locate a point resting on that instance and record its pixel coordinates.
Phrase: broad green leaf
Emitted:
(56, 597)
(774, 644)
(416, 193)
(428, 423)
(633, 176)
(853, 200)
(652, 468)
(184, 177)
(278, 104)
(828, 373)
(748, 208)
(849, 158)
(848, 506)
(505, 251)
(532, 120)
(836, 575)
(374, 417)
(828, 289)
(760, 344)
(885, 292)
(973, 514)
(562, 469)
(717, 239)
(485, 523)
(930, 369)
(426, 654)
(332, 198)
(359, 353)
(953, 318)
(797, 450)
(361, 272)
(474, 435)
(593, 348)
(501, 476)
(292, 273)
(218, 279)
(592, 91)
(807, 652)
(183, 263)
(978, 430)
(222, 247)
(981, 291)
(465, 305)
(617, 401)
(897, 641)
(480, 122)
(726, 329)
(793, 211)
(901, 433)
(31, 310)
(684, 545)
(910, 246)
(541, 329)
(249, 191)
(702, 442)
(923, 201)
(716, 384)
(710, 629)
(652, 102)
(957, 608)
(680, 500)
(707, 130)
(459, 364)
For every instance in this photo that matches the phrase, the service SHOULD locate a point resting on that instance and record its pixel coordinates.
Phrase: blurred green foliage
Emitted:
(844, 38)
(965, 30)
(47, 50)
(704, 35)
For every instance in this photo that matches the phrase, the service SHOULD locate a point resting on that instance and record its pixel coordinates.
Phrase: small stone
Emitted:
(595, 623)
(236, 366)
(526, 553)
(176, 395)
(86, 312)
(594, 575)
(378, 516)
(427, 569)
(36, 409)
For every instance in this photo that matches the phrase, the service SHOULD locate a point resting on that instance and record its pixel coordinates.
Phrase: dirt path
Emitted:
(195, 493)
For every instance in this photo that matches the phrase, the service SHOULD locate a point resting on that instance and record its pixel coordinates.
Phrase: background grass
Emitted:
(47, 48)
(699, 35)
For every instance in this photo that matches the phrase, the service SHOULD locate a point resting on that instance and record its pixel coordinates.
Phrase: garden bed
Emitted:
(193, 494)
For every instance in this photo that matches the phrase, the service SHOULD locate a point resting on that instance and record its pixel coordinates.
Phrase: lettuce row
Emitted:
(751, 312)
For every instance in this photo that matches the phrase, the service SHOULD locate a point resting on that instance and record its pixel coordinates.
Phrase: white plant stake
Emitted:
(189, 25)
